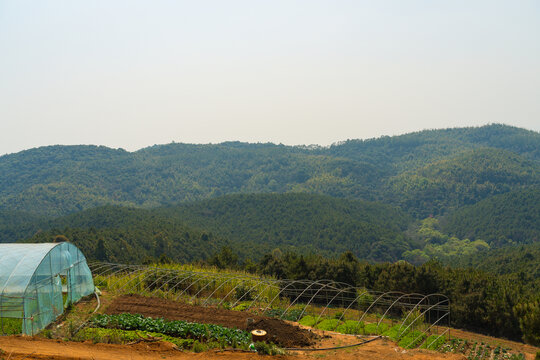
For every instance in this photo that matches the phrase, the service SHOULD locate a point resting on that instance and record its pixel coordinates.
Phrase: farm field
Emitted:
(18, 348)
(22, 347)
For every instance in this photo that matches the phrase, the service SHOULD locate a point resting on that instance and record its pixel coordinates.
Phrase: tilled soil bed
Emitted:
(279, 332)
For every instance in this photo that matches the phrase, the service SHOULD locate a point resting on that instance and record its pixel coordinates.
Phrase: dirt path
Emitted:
(18, 348)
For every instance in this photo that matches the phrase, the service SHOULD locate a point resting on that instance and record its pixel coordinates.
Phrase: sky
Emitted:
(130, 74)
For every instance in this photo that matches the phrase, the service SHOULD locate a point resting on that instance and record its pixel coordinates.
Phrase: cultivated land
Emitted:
(38, 347)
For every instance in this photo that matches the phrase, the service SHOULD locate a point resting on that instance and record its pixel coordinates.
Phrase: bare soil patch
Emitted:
(28, 348)
(279, 332)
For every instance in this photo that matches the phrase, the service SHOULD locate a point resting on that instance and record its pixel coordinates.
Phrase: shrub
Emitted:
(351, 327)
(263, 348)
(393, 333)
(198, 347)
(412, 339)
(373, 329)
(329, 324)
(241, 307)
(308, 320)
(434, 342)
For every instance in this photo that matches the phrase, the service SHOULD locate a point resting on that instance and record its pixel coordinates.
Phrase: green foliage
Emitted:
(375, 329)
(412, 339)
(529, 321)
(506, 219)
(11, 326)
(412, 170)
(118, 336)
(308, 320)
(292, 314)
(465, 179)
(181, 329)
(241, 226)
(263, 348)
(301, 222)
(93, 176)
(15, 225)
(479, 301)
(329, 324)
(521, 260)
(434, 342)
(129, 235)
(353, 327)
(393, 333)
(437, 245)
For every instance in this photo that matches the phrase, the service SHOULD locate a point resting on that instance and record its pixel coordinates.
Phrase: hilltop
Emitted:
(58, 180)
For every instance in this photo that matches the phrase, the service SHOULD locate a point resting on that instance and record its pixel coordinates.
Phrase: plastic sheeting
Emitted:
(31, 279)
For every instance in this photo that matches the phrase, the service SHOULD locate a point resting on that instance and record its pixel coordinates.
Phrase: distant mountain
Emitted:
(59, 180)
(417, 149)
(465, 179)
(510, 218)
(409, 170)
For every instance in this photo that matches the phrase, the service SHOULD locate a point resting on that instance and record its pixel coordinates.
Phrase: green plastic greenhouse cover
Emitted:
(31, 279)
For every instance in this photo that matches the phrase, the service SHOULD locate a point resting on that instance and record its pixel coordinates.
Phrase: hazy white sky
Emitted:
(135, 73)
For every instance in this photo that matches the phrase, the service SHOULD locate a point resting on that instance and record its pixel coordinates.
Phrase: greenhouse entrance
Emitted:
(37, 281)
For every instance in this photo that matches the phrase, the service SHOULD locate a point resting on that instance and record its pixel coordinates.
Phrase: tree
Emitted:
(226, 258)
(101, 251)
(529, 321)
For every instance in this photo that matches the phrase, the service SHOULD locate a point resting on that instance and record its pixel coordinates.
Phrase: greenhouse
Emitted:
(37, 281)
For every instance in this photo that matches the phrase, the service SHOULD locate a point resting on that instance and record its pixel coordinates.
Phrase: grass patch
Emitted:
(434, 342)
(263, 348)
(117, 336)
(11, 326)
(412, 339)
(329, 324)
(374, 329)
(308, 320)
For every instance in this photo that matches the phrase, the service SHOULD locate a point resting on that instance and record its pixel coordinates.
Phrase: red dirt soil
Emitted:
(279, 332)
(28, 348)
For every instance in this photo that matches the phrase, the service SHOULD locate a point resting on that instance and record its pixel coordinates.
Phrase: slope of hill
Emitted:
(306, 222)
(462, 180)
(417, 149)
(16, 225)
(511, 218)
(250, 224)
(130, 235)
(518, 259)
(58, 180)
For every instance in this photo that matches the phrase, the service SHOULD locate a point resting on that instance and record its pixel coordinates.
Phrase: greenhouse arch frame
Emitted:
(37, 281)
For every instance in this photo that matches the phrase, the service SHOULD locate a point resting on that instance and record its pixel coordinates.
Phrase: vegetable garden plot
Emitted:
(339, 303)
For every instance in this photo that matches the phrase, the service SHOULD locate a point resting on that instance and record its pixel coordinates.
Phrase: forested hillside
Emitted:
(310, 223)
(465, 179)
(428, 172)
(511, 218)
(413, 150)
(130, 235)
(15, 225)
(522, 260)
(249, 224)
